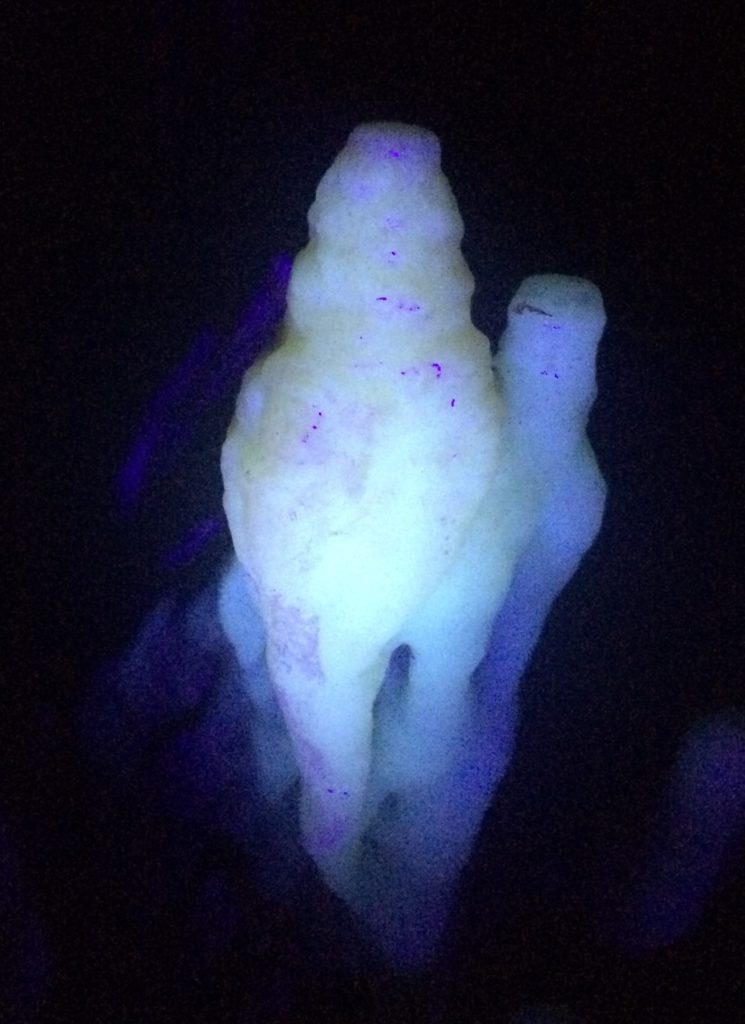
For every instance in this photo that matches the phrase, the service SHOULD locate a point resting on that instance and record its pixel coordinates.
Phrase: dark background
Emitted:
(159, 157)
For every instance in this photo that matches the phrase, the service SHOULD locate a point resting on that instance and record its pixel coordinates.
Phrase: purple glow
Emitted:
(195, 541)
(161, 426)
(699, 830)
(209, 370)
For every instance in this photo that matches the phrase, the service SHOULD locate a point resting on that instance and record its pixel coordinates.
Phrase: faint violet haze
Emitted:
(209, 371)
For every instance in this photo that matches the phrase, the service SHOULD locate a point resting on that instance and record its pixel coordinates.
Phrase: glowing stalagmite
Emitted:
(386, 486)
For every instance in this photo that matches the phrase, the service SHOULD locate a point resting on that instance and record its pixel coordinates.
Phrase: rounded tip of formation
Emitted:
(392, 140)
(558, 296)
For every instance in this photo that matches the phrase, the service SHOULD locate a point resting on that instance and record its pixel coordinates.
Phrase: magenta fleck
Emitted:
(523, 306)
